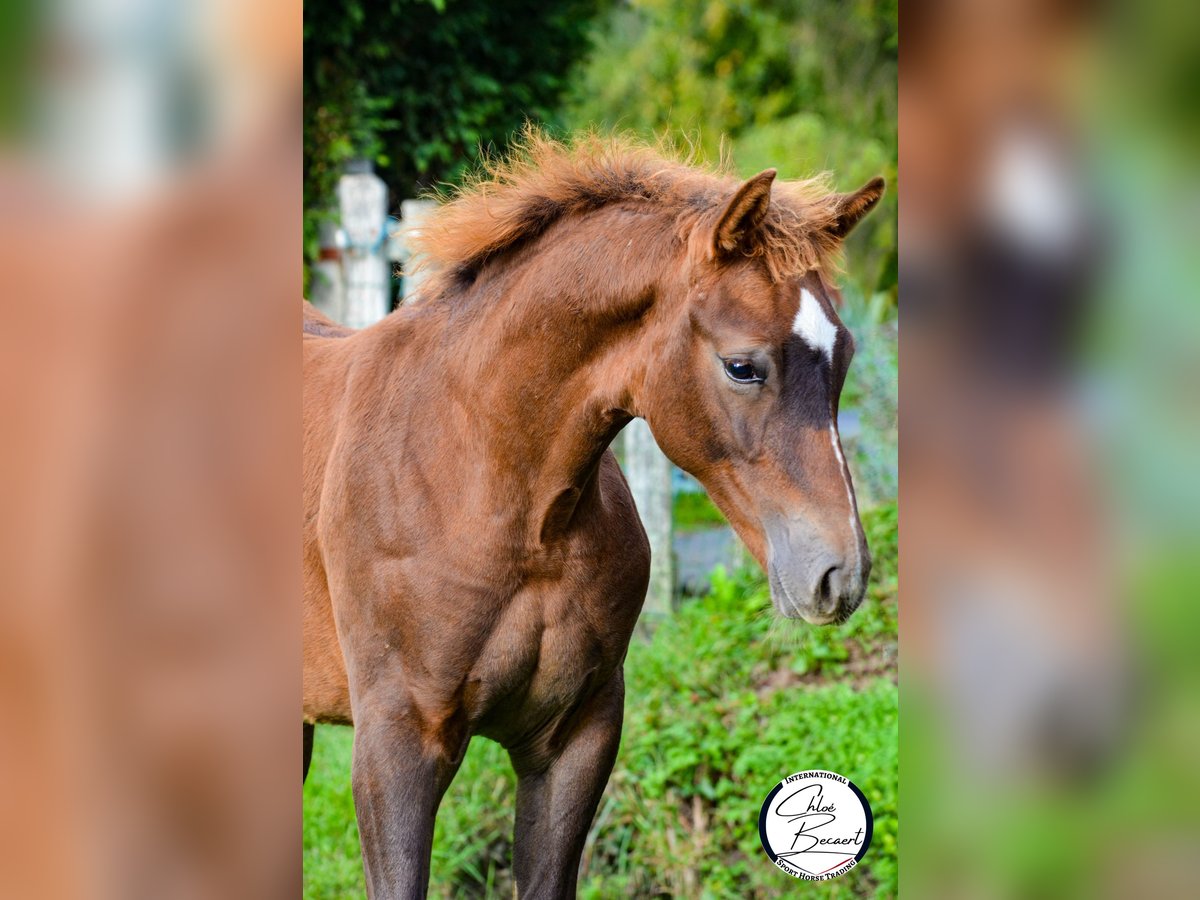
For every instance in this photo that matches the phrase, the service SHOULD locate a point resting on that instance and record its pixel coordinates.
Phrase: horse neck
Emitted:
(547, 351)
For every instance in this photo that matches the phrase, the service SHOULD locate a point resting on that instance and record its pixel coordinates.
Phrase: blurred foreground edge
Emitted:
(149, 635)
(1043, 733)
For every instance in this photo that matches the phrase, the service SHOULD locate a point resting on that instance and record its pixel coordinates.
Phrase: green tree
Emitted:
(801, 85)
(418, 85)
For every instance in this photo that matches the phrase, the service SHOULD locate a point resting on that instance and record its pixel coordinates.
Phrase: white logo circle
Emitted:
(815, 825)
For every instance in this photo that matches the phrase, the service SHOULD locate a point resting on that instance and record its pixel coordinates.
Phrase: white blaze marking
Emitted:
(854, 525)
(813, 325)
(815, 329)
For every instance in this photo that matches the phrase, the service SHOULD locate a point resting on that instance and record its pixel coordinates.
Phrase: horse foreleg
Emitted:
(398, 776)
(556, 803)
(309, 728)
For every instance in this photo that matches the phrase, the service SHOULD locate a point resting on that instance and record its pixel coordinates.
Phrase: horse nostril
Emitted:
(825, 599)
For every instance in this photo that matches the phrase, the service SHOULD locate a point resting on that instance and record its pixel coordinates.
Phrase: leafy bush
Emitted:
(724, 701)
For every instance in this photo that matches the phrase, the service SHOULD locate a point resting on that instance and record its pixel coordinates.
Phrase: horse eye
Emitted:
(742, 370)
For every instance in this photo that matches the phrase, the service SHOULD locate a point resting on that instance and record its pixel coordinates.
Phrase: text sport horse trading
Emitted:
(473, 561)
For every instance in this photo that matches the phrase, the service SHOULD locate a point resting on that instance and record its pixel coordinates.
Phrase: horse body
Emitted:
(480, 567)
(474, 563)
(522, 613)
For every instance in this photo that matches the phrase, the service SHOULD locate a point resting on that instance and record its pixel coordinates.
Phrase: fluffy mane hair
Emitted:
(513, 199)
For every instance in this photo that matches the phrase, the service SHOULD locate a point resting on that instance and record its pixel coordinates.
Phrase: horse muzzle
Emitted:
(811, 579)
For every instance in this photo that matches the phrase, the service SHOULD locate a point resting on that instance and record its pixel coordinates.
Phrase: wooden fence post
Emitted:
(649, 476)
(413, 214)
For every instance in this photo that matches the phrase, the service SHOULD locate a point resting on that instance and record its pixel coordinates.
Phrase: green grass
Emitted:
(723, 702)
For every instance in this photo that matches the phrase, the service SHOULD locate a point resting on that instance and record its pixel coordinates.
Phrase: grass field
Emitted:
(722, 703)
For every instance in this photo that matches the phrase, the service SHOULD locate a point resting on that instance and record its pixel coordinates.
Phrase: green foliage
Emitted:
(872, 391)
(725, 700)
(691, 511)
(418, 85)
(801, 85)
(332, 862)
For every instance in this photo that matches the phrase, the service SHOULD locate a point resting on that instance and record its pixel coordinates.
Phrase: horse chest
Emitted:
(552, 648)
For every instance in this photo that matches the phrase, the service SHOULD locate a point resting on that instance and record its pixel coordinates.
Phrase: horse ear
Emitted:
(743, 213)
(851, 208)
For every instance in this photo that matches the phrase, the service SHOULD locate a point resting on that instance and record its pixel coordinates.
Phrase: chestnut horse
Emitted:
(473, 560)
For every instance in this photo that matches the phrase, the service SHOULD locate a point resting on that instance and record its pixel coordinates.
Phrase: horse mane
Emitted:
(513, 198)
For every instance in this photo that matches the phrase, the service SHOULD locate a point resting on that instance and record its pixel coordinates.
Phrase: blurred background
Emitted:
(1050, 542)
(401, 99)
